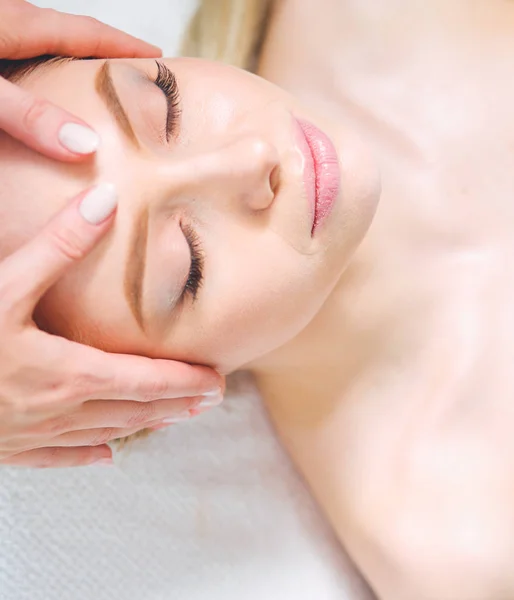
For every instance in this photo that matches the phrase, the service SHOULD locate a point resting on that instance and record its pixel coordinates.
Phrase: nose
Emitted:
(243, 172)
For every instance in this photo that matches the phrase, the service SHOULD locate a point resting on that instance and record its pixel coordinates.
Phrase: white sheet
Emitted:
(206, 510)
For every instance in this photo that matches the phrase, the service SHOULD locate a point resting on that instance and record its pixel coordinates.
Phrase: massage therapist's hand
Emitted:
(58, 399)
(27, 31)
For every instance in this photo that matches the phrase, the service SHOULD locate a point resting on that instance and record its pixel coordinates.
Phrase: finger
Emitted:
(123, 414)
(28, 273)
(60, 457)
(144, 379)
(100, 421)
(97, 437)
(43, 126)
(47, 31)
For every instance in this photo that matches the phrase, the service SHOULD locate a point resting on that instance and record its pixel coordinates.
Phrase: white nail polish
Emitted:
(209, 401)
(78, 139)
(216, 392)
(99, 203)
(185, 416)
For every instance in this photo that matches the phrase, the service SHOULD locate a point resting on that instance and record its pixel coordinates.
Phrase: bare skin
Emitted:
(409, 448)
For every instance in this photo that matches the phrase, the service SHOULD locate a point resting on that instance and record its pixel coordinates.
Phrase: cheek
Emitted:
(260, 298)
(234, 97)
(32, 189)
(262, 320)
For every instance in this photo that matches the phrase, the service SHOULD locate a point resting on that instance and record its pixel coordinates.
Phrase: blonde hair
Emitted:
(230, 31)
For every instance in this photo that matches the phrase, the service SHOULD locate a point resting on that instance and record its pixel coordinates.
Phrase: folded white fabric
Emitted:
(210, 509)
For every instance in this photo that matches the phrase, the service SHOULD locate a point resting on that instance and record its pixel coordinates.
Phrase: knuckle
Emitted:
(144, 413)
(15, 410)
(102, 436)
(85, 383)
(49, 14)
(9, 44)
(49, 458)
(50, 403)
(68, 243)
(9, 408)
(155, 390)
(22, 408)
(59, 425)
(14, 16)
(192, 402)
(34, 110)
(83, 456)
(75, 388)
(97, 28)
(93, 22)
(94, 25)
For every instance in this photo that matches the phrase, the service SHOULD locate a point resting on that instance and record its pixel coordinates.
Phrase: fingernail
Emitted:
(99, 203)
(78, 138)
(216, 392)
(177, 418)
(209, 401)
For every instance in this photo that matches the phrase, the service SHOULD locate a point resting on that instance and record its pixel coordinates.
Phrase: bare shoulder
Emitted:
(438, 520)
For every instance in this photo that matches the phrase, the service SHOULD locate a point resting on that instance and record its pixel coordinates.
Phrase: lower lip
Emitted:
(322, 174)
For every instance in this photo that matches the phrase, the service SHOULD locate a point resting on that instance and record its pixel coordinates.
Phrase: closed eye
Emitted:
(167, 82)
(195, 277)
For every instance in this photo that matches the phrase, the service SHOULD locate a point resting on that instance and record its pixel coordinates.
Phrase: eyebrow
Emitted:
(105, 87)
(135, 266)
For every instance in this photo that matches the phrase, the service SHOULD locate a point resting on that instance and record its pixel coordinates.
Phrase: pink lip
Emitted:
(322, 175)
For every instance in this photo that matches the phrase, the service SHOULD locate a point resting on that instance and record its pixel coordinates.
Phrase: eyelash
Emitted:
(195, 277)
(167, 82)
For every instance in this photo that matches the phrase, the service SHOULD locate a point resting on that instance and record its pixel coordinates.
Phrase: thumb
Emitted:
(28, 273)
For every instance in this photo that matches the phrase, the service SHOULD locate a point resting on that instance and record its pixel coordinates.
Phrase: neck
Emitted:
(379, 55)
(347, 336)
(369, 63)
(375, 36)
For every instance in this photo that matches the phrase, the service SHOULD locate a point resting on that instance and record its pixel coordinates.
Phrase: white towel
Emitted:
(210, 509)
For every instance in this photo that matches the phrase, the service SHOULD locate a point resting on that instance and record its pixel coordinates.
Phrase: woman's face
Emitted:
(212, 258)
